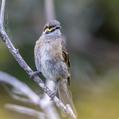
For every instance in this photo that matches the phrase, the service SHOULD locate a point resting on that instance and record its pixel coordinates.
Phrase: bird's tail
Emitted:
(65, 94)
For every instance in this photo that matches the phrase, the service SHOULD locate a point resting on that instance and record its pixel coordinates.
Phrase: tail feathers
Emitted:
(65, 95)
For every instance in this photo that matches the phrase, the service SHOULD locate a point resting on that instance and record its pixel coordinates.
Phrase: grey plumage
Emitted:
(52, 60)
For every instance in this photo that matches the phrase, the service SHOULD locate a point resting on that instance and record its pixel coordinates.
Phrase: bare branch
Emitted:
(49, 10)
(25, 110)
(17, 94)
(18, 85)
(31, 97)
(25, 66)
(2, 12)
(21, 99)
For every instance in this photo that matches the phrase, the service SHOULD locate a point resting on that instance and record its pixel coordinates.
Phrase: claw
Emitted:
(52, 95)
(35, 73)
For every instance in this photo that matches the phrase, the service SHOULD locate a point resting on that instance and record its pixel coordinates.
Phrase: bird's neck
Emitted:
(55, 34)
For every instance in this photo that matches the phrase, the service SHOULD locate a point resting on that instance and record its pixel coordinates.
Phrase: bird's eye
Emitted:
(49, 29)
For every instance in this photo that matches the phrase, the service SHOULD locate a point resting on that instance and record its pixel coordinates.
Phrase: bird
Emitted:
(52, 60)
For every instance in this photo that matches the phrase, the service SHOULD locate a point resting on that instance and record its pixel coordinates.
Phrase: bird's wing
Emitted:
(65, 55)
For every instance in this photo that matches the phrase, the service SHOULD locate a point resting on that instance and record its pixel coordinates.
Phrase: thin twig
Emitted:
(31, 97)
(25, 66)
(49, 10)
(21, 99)
(2, 11)
(19, 96)
(18, 85)
(25, 110)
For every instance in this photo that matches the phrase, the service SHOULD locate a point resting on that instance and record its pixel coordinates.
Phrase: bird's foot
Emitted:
(35, 73)
(52, 95)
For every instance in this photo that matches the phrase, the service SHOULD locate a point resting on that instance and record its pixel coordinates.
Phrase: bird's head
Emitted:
(51, 27)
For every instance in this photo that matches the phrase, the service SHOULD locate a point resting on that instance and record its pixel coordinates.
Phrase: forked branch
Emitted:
(21, 92)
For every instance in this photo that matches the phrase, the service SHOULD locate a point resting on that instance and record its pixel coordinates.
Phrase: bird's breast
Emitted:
(51, 51)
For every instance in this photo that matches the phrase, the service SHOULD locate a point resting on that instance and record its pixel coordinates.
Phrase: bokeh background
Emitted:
(91, 28)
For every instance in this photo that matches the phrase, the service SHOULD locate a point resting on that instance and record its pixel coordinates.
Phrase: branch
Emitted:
(31, 97)
(19, 96)
(49, 10)
(21, 87)
(25, 110)
(2, 12)
(24, 65)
